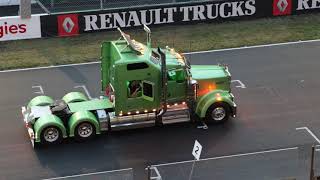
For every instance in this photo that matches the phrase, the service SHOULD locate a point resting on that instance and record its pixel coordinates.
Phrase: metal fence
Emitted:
(66, 6)
(281, 164)
(295, 163)
(59, 6)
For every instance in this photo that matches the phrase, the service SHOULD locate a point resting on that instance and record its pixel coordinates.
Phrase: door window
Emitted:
(148, 90)
(134, 89)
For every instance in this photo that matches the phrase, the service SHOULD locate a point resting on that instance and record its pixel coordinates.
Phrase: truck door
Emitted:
(140, 96)
(138, 84)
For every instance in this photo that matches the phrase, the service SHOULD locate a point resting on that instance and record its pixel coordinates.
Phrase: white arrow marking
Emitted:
(203, 126)
(241, 85)
(85, 90)
(310, 132)
(158, 176)
(40, 89)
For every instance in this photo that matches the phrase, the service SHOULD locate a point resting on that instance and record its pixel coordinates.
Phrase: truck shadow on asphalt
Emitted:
(135, 148)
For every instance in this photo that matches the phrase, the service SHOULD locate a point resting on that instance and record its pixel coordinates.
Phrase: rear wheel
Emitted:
(51, 135)
(84, 131)
(218, 113)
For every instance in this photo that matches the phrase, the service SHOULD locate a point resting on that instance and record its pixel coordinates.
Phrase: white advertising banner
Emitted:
(14, 28)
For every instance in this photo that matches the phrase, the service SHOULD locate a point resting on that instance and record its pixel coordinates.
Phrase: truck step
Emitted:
(132, 121)
(176, 116)
(135, 125)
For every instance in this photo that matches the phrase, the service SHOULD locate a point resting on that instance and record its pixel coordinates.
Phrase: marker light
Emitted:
(145, 111)
(176, 104)
(154, 110)
(137, 112)
(206, 87)
(183, 103)
(129, 113)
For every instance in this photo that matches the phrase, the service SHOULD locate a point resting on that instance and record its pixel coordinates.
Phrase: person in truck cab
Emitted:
(135, 89)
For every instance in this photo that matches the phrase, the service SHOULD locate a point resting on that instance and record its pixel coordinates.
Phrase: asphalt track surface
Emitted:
(281, 94)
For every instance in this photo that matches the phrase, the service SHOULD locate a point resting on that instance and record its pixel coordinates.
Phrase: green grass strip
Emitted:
(185, 38)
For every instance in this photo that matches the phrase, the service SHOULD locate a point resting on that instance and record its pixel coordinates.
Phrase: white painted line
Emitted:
(251, 47)
(241, 84)
(310, 132)
(40, 89)
(88, 174)
(231, 156)
(187, 53)
(49, 67)
(85, 90)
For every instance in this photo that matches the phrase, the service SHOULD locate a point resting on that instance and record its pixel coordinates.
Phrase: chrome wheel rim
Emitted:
(85, 130)
(51, 134)
(218, 114)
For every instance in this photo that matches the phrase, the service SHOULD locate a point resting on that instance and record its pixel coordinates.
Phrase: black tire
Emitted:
(218, 113)
(51, 135)
(81, 131)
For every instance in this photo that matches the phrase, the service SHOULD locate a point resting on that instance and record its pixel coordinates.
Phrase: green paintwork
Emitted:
(206, 74)
(82, 116)
(46, 121)
(204, 102)
(114, 71)
(115, 58)
(207, 71)
(93, 104)
(212, 80)
(116, 55)
(72, 97)
(40, 101)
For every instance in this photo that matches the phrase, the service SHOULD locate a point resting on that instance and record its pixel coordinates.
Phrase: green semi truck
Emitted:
(142, 86)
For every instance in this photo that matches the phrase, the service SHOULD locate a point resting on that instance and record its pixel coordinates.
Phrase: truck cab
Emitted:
(140, 79)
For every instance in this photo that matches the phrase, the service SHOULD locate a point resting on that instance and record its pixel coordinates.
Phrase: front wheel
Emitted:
(51, 135)
(84, 131)
(218, 113)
